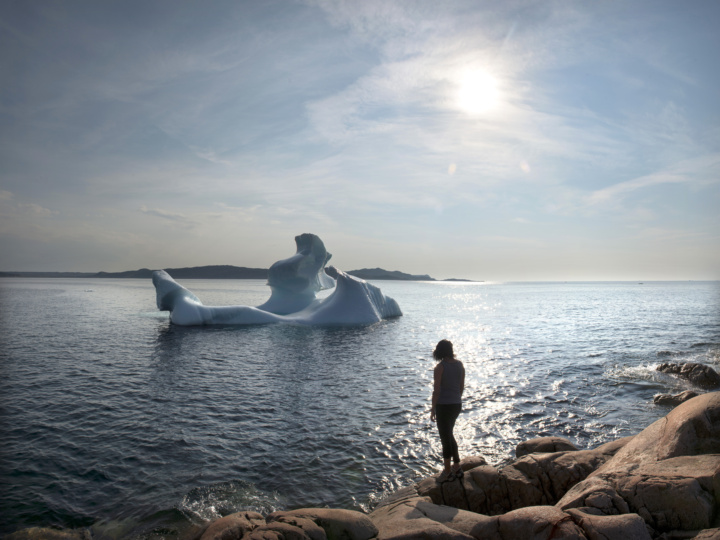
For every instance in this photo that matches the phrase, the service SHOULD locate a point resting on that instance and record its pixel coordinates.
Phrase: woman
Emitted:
(446, 404)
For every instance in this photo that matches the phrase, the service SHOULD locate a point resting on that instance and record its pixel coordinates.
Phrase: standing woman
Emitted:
(446, 404)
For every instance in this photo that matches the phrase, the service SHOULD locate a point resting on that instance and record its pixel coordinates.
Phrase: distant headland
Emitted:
(225, 272)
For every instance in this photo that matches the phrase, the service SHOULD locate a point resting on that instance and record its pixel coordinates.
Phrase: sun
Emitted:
(477, 92)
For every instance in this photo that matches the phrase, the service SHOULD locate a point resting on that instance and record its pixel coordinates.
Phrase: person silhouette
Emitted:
(448, 387)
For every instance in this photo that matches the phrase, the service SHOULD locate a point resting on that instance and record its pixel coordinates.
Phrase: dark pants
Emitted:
(446, 416)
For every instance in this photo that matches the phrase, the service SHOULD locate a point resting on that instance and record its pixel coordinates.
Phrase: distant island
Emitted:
(223, 272)
(381, 274)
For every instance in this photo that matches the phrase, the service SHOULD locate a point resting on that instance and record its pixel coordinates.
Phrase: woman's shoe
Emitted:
(445, 476)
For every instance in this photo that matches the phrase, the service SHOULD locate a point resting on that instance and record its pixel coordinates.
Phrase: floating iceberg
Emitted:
(294, 283)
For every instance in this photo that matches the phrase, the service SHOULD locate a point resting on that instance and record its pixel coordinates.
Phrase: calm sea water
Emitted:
(114, 419)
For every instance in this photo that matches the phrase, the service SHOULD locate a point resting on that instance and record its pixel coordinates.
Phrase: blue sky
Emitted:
(513, 140)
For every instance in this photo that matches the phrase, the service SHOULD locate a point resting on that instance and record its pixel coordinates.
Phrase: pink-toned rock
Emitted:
(665, 480)
(669, 474)
(337, 523)
(278, 530)
(538, 479)
(233, 527)
(279, 520)
(544, 445)
(603, 527)
(692, 428)
(538, 523)
(612, 447)
(408, 492)
(471, 462)
(409, 519)
(677, 493)
(419, 518)
(487, 491)
(534, 479)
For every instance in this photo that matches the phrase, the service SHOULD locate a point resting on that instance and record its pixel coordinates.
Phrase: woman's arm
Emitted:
(437, 376)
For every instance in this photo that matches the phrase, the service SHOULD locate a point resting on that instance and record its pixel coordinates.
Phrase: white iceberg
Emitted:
(294, 283)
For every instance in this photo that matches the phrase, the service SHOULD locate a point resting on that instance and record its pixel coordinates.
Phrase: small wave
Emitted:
(642, 371)
(162, 524)
(643, 374)
(218, 500)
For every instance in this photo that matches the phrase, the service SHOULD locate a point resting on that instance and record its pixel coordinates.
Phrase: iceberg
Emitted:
(294, 283)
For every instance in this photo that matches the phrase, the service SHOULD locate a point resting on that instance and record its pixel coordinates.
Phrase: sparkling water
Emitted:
(114, 419)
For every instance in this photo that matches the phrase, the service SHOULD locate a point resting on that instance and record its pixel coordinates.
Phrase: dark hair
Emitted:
(444, 349)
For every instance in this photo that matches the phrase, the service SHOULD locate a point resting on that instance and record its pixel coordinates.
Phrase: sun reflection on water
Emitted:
(318, 416)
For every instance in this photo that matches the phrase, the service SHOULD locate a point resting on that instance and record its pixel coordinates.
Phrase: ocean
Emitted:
(116, 420)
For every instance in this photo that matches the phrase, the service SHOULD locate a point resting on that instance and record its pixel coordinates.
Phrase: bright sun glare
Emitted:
(478, 92)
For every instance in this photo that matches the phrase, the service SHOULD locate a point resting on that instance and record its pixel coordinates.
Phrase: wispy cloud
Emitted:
(174, 217)
(700, 171)
(234, 121)
(37, 210)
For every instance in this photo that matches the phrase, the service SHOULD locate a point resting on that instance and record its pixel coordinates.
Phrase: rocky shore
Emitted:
(663, 483)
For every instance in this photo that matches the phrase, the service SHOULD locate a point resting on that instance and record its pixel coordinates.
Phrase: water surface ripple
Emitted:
(116, 420)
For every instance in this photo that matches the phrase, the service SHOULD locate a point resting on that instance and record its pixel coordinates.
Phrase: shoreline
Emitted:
(611, 489)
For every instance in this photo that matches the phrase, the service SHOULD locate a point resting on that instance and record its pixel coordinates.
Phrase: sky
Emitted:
(506, 141)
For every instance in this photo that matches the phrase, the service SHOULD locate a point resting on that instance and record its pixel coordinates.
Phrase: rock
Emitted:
(471, 462)
(488, 491)
(538, 523)
(311, 529)
(408, 492)
(669, 474)
(544, 444)
(594, 494)
(662, 483)
(611, 448)
(615, 526)
(46, 533)
(538, 479)
(692, 428)
(420, 518)
(675, 494)
(233, 526)
(302, 524)
(532, 480)
(289, 527)
(698, 374)
(674, 399)
(337, 523)
(278, 530)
